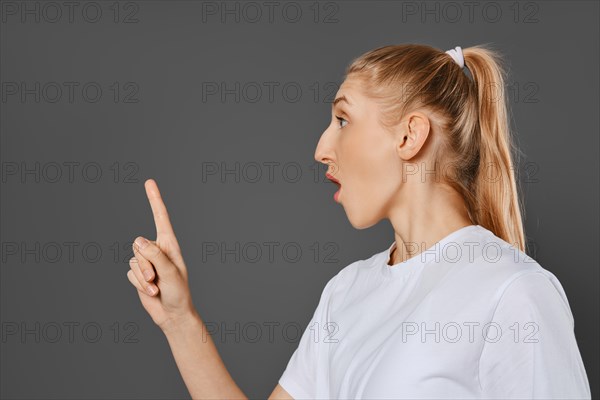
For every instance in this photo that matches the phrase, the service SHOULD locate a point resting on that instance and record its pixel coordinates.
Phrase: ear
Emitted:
(412, 134)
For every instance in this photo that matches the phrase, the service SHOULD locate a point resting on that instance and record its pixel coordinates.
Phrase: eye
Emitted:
(341, 120)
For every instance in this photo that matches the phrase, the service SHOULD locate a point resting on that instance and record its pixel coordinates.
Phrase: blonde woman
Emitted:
(452, 307)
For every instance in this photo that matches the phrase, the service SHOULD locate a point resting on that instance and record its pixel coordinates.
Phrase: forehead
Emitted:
(351, 89)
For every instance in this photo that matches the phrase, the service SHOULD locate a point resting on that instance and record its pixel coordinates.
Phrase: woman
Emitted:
(453, 307)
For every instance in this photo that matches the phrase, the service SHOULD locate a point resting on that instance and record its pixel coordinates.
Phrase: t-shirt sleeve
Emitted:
(530, 350)
(300, 376)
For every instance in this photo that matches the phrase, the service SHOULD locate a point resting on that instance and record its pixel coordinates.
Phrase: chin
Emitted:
(361, 221)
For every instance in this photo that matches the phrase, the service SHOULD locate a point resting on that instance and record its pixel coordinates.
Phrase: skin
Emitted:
(372, 165)
(382, 173)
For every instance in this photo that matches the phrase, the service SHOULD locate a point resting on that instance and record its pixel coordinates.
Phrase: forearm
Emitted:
(199, 362)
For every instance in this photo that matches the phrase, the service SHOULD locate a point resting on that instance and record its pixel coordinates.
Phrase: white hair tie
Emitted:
(457, 55)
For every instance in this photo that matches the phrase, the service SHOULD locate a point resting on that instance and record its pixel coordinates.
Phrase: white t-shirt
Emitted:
(470, 317)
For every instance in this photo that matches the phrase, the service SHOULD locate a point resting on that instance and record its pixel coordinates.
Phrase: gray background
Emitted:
(160, 53)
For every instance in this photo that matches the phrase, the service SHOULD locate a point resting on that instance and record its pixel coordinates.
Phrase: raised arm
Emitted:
(160, 275)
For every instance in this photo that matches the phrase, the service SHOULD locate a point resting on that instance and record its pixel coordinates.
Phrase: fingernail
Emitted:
(147, 275)
(151, 290)
(141, 242)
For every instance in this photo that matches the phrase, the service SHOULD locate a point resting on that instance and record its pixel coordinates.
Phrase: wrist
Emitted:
(181, 323)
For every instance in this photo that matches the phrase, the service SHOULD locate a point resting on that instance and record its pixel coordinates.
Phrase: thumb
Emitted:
(151, 252)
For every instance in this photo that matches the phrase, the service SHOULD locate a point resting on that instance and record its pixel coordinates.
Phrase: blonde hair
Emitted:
(473, 117)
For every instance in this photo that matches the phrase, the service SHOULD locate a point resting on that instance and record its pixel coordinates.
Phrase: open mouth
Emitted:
(336, 195)
(331, 178)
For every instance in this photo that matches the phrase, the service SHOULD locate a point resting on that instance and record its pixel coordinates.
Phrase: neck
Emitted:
(435, 212)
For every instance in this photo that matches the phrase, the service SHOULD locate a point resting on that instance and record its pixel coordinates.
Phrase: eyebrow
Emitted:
(341, 98)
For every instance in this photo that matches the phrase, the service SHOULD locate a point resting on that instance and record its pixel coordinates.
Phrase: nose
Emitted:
(325, 153)
(324, 150)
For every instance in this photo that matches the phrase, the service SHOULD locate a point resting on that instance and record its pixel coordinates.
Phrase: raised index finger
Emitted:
(159, 211)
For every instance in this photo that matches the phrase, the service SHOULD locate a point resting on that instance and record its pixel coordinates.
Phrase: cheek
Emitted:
(369, 167)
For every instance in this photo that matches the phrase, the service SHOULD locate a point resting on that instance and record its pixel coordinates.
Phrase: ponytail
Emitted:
(497, 203)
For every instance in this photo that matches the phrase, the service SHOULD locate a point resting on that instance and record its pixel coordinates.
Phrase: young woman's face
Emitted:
(361, 155)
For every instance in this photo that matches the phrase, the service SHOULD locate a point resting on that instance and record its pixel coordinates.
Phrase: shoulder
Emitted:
(518, 280)
(493, 262)
(357, 271)
(491, 270)
(532, 294)
(360, 266)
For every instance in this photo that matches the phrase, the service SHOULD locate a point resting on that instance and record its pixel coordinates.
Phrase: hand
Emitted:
(158, 270)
